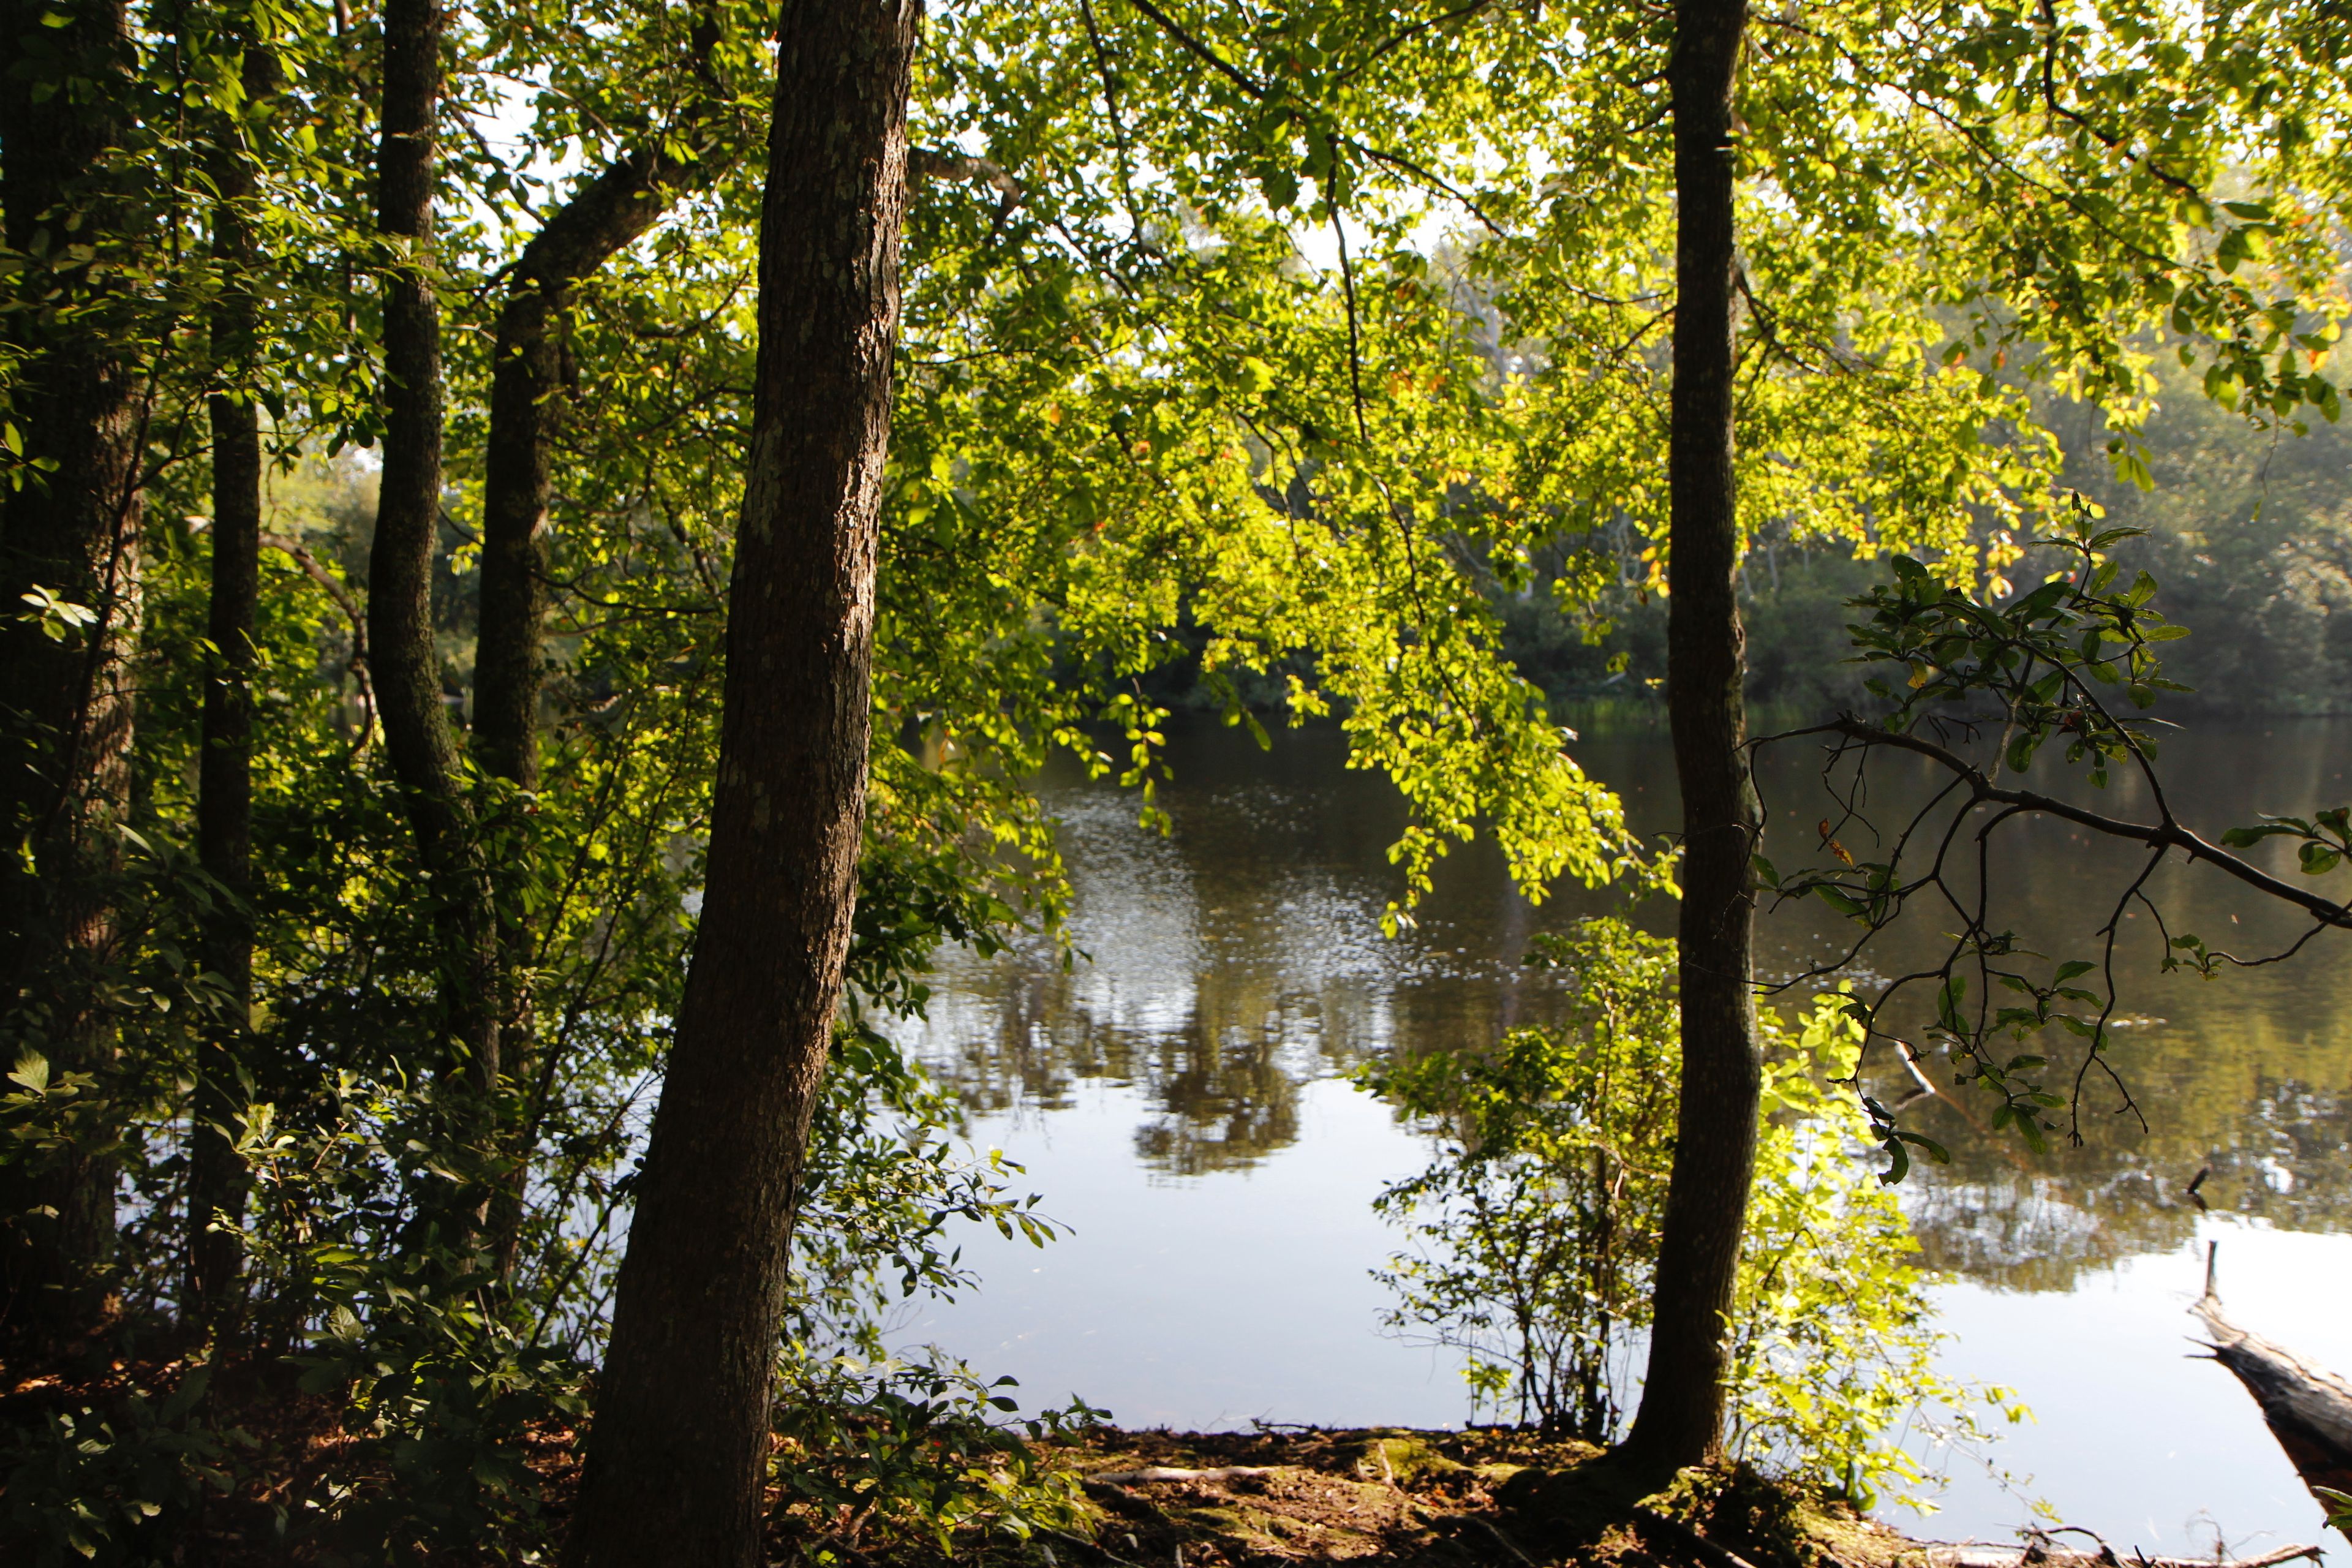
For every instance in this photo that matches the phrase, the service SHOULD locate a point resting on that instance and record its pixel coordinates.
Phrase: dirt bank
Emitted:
(1397, 1499)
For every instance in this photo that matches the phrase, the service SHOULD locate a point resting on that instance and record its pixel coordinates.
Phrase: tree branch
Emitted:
(2162, 836)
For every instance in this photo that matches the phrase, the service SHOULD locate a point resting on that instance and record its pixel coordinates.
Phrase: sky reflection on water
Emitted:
(1174, 1094)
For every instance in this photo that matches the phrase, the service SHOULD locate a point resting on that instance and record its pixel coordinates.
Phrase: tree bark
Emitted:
(1681, 1416)
(677, 1456)
(526, 388)
(418, 737)
(71, 529)
(602, 218)
(218, 1178)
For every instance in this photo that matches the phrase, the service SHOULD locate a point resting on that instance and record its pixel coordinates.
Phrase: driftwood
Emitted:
(1170, 1473)
(2308, 1410)
(2040, 1556)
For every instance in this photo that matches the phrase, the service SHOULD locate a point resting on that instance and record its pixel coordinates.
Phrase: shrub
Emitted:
(1536, 1229)
(113, 1487)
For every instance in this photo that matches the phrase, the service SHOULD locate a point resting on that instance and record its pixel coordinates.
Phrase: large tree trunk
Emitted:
(677, 1456)
(69, 528)
(418, 737)
(1681, 1416)
(217, 1179)
(526, 406)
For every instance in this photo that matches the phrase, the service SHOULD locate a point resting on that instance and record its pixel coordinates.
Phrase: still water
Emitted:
(1178, 1097)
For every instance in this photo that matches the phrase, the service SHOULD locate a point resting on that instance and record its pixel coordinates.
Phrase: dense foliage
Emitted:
(1207, 376)
(1535, 1231)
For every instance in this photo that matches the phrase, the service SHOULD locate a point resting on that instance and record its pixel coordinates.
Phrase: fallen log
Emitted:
(1170, 1473)
(2308, 1408)
(2040, 1556)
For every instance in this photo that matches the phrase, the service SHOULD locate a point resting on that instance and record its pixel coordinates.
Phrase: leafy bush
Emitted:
(915, 1450)
(446, 1379)
(873, 1444)
(1833, 1339)
(1537, 1229)
(443, 1400)
(111, 1489)
(1539, 1223)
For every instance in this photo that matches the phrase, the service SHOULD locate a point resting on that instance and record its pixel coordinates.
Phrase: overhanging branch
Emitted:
(2160, 835)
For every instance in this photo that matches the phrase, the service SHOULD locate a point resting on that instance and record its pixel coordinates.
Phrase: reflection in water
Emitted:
(1223, 965)
(1171, 1093)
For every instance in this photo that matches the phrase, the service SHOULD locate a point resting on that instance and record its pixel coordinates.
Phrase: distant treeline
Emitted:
(2250, 535)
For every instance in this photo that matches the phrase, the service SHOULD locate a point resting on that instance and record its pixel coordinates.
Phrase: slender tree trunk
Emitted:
(217, 1179)
(607, 214)
(418, 737)
(677, 1456)
(526, 407)
(71, 529)
(526, 391)
(1681, 1417)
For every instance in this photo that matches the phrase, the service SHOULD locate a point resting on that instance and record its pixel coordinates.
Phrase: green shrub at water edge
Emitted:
(1535, 1231)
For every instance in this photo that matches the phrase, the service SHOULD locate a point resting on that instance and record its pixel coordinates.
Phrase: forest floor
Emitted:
(120, 1446)
(1478, 1499)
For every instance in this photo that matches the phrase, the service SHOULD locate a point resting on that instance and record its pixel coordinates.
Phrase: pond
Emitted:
(1179, 1096)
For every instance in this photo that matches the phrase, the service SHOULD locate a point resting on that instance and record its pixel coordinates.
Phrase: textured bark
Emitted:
(218, 1178)
(405, 666)
(65, 705)
(1681, 1416)
(526, 392)
(676, 1457)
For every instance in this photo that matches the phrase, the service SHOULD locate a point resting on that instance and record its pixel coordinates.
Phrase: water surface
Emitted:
(1178, 1096)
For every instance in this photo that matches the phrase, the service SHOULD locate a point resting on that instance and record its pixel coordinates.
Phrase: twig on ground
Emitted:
(1504, 1541)
(1713, 1553)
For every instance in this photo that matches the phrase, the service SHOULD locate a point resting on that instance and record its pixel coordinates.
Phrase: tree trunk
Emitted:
(526, 392)
(526, 387)
(217, 1179)
(677, 1456)
(1681, 1416)
(604, 215)
(71, 529)
(417, 734)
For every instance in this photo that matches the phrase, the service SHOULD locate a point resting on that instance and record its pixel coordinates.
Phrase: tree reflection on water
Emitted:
(1223, 966)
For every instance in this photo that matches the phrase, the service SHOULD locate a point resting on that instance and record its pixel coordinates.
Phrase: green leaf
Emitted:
(1838, 901)
(1947, 1002)
(1898, 1161)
